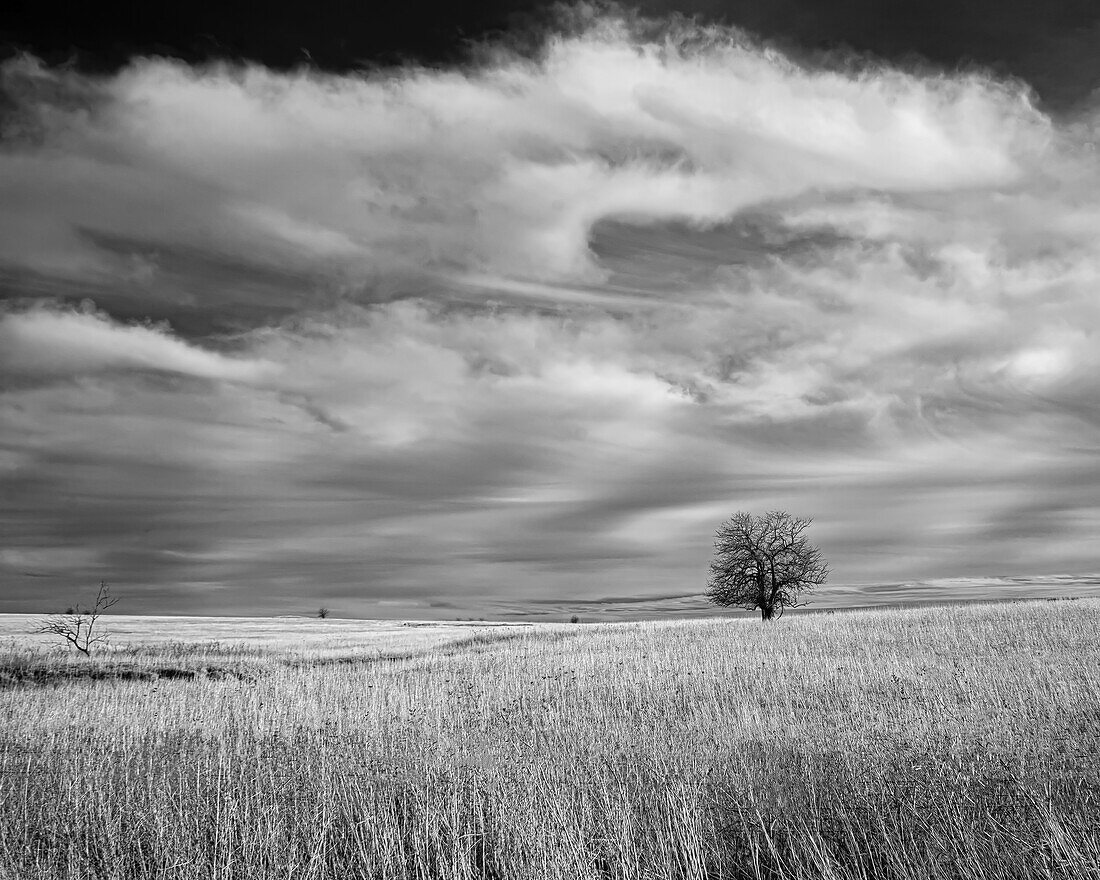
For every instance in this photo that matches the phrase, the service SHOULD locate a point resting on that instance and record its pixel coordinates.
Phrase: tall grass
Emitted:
(934, 743)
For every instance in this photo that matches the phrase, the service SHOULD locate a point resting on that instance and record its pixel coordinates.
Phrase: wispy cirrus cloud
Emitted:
(47, 343)
(534, 327)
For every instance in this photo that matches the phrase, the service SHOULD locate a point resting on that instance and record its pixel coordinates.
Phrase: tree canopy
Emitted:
(764, 562)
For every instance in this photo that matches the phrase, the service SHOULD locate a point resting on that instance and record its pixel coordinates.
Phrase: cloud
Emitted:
(529, 329)
(46, 342)
(502, 168)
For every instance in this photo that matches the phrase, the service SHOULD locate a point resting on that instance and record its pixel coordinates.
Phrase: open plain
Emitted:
(921, 743)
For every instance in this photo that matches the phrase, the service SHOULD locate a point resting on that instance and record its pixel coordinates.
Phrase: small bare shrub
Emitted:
(79, 628)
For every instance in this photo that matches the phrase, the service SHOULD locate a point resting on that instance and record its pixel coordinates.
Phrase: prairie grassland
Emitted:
(928, 743)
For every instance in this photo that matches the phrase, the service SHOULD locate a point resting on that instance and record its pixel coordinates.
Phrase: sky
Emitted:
(501, 311)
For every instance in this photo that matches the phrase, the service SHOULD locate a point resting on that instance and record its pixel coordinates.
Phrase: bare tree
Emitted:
(79, 627)
(764, 562)
(322, 612)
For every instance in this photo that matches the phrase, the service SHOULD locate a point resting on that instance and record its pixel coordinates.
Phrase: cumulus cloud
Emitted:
(531, 328)
(502, 168)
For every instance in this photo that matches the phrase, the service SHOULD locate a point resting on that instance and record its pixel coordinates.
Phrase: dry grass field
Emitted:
(956, 742)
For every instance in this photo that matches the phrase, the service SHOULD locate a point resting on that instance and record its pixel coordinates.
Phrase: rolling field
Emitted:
(922, 743)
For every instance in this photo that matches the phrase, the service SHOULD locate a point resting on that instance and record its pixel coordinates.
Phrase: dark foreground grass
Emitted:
(933, 743)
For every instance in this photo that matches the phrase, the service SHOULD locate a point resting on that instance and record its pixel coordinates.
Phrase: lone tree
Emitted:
(79, 628)
(322, 612)
(764, 562)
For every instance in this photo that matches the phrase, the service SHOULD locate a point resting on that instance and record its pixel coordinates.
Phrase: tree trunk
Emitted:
(767, 612)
